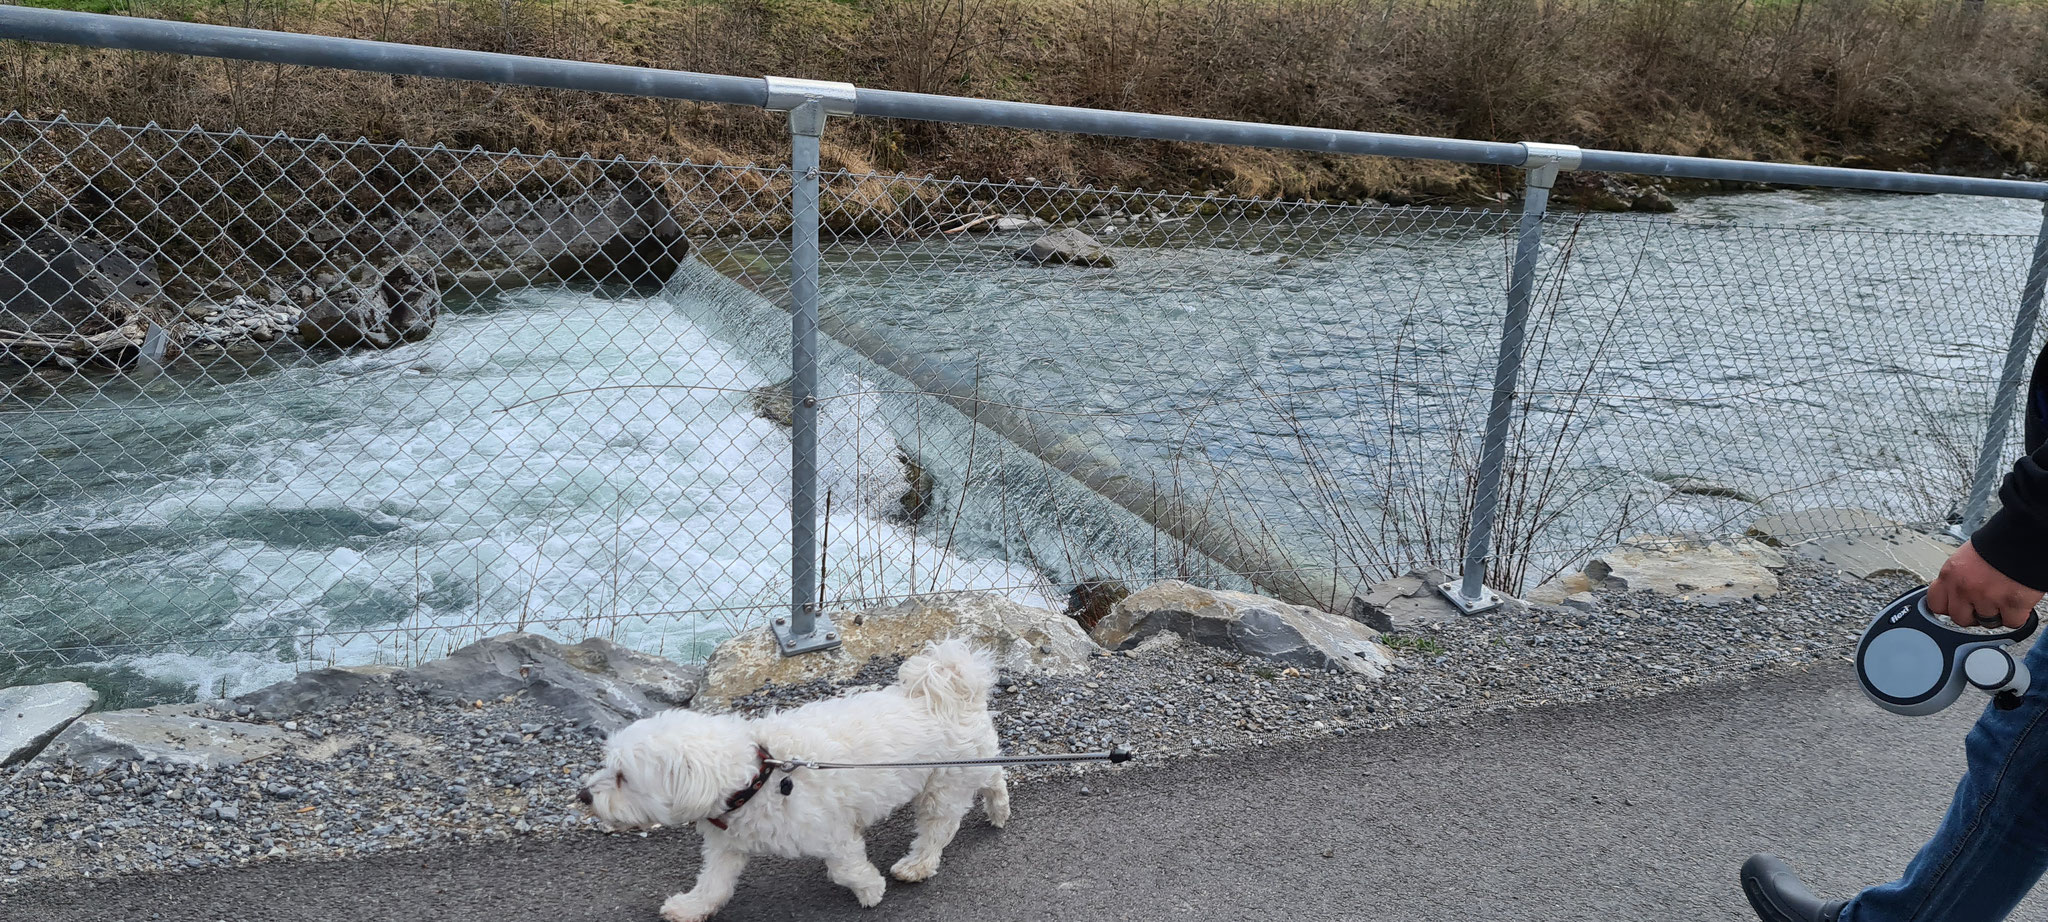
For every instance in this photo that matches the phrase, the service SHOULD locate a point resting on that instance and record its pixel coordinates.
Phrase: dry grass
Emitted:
(1889, 83)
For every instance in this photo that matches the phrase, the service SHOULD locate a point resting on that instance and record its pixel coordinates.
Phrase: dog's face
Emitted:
(666, 770)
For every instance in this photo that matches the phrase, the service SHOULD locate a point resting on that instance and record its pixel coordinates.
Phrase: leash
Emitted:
(1115, 756)
(1124, 754)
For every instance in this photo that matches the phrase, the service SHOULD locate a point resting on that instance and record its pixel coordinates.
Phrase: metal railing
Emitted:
(1246, 545)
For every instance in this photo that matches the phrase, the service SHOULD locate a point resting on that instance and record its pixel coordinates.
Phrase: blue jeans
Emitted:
(1993, 844)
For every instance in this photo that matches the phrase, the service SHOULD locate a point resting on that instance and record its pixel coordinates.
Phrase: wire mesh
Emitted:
(268, 402)
(274, 401)
(1691, 377)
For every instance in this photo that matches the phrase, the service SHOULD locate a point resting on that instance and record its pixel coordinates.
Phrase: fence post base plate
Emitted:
(823, 635)
(1488, 599)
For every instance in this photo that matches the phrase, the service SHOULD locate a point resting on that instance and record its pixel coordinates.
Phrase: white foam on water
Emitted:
(567, 463)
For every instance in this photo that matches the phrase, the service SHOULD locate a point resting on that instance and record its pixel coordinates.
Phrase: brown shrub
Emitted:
(1898, 83)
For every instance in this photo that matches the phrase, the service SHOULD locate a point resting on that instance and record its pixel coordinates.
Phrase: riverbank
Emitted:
(416, 766)
(1900, 86)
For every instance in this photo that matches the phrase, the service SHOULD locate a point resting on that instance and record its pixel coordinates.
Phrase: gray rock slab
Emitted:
(175, 734)
(596, 682)
(311, 692)
(1245, 623)
(665, 682)
(31, 714)
(1856, 542)
(1786, 529)
(1404, 603)
(579, 681)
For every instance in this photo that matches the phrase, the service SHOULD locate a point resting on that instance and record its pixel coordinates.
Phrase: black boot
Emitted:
(1777, 894)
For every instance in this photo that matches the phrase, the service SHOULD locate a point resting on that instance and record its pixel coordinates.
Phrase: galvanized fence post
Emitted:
(1543, 163)
(806, 628)
(2009, 384)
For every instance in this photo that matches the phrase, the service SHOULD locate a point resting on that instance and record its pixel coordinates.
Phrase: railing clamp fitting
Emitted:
(1543, 162)
(808, 102)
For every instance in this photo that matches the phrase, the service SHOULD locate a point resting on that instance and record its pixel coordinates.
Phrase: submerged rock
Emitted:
(1684, 485)
(1067, 246)
(773, 403)
(921, 492)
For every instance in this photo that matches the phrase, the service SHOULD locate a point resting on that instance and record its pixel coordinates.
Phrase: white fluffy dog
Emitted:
(685, 767)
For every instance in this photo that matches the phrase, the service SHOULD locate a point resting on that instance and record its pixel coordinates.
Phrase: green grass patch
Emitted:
(1410, 643)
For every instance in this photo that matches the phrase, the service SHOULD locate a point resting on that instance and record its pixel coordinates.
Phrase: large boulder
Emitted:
(176, 734)
(31, 714)
(613, 230)
(1856, 542)
(596, 683)
(55, 284)
(1023, 640)
(1245, 623)
(413, 303)
(374, 308)
(1067, 247)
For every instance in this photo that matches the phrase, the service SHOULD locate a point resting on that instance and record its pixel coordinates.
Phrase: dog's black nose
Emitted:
(583, 796)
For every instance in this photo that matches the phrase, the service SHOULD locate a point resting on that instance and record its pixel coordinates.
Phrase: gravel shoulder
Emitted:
(407, 774)
(1611, 810)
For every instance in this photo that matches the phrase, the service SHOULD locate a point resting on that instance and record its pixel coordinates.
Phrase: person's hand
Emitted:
(1968, 589)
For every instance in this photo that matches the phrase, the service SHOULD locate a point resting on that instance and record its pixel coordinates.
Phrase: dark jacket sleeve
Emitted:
(2015, 540)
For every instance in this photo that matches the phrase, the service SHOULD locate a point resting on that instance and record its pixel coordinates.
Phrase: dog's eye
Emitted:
(619, 779)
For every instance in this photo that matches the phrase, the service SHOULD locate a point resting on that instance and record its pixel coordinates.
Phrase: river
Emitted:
(589, 462)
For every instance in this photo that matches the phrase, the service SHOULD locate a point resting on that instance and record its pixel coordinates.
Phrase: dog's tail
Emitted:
(951, 677)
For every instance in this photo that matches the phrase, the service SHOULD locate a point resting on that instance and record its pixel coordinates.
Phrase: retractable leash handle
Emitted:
(1913, 662)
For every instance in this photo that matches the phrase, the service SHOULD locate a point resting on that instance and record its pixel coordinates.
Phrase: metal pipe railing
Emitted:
(1802, 174)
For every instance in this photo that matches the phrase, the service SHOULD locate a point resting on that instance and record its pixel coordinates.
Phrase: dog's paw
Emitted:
(869, 894)
(684, 908)
(910, 869)
(998, 813)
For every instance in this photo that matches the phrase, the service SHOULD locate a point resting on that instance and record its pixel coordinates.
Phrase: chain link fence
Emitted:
(270, 402)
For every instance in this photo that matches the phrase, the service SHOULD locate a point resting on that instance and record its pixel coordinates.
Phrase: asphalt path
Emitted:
(1627, 810)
